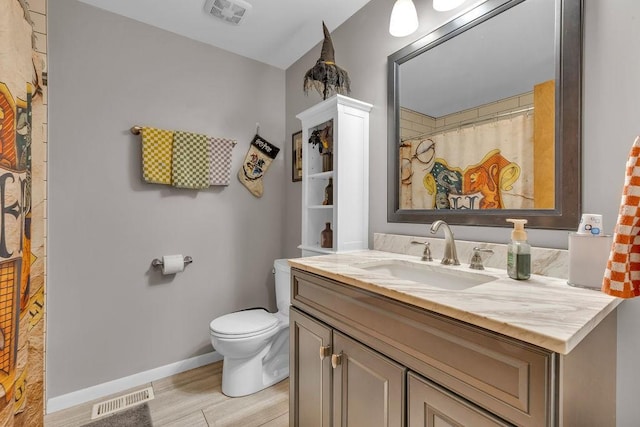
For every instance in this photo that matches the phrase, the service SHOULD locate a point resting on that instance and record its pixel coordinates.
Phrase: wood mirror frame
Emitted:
(568, 106)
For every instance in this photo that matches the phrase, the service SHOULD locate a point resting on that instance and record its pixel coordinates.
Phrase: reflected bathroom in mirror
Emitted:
(484, 118)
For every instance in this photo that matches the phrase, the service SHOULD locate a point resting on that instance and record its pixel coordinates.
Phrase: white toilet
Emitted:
(255, 343)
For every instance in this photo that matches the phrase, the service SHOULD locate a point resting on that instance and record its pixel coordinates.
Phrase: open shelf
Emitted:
(321, 175)
(316, 249)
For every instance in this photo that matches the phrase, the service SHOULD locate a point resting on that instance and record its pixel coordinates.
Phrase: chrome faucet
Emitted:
(450, 256)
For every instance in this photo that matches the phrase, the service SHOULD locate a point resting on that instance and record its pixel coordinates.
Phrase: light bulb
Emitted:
(404, 18)
(444, 5)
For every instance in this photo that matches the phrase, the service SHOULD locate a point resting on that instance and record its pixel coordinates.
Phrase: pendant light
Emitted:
(404, 19)
(444, 5)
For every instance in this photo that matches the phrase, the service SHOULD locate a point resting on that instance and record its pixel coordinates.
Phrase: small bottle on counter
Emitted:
(518, 252)
(326, 237)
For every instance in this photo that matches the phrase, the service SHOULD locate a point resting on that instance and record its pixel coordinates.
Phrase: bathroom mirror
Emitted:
(484, 118)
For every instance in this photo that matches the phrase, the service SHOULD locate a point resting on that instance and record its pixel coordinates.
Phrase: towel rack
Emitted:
(137, 130)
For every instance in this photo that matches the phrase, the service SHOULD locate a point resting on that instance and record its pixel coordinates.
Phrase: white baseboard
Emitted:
(68, 400)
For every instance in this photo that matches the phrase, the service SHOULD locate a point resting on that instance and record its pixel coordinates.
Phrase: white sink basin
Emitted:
(429, 274)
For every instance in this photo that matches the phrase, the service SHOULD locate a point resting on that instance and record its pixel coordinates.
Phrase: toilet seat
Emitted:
(243, 324)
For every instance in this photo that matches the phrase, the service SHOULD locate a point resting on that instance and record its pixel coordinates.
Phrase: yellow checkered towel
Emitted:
(157, 155)
(190, 160)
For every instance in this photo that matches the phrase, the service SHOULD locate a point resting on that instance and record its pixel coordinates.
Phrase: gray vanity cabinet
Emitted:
(337, 381)
(395, 364)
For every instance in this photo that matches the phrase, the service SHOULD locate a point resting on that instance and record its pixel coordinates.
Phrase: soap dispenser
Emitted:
(518, 252)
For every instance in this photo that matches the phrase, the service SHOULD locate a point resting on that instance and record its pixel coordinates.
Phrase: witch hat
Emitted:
(328, 53)
(326, 77)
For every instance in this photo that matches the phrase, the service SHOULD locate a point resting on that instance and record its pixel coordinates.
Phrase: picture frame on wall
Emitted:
(296, 156)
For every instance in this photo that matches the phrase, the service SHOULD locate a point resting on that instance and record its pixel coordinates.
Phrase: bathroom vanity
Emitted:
(371, 346)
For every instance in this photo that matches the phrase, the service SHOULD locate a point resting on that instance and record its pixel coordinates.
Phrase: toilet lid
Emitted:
(244, 322)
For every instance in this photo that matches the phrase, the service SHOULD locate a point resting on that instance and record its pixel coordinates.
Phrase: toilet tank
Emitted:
(283, 285)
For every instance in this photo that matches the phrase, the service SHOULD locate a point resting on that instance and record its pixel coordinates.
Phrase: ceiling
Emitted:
(276, 32)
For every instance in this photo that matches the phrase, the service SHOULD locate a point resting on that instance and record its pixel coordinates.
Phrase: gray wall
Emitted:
(108, 315)
(611, 120)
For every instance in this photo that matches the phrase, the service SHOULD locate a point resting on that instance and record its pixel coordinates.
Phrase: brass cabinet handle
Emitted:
(325, 351)
(336, 359)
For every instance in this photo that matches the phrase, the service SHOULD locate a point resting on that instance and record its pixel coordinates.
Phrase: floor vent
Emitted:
(117, 404)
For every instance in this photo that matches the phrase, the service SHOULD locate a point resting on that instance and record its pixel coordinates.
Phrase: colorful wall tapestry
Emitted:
(21, 299)
(485, 166)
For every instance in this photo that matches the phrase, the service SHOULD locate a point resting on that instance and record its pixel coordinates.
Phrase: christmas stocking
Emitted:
(260, 155)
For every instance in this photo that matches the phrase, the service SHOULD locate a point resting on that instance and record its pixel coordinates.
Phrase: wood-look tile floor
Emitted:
(194, 399)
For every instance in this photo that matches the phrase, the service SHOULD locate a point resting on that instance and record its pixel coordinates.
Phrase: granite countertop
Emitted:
(543, 311)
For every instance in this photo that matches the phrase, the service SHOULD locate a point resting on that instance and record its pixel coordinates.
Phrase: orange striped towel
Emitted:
(622, 276)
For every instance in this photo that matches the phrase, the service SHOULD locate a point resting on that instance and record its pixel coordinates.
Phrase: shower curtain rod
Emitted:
(468, 123)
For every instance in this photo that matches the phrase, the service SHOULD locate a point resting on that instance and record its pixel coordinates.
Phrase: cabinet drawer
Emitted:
(432, 406)
(508, 377)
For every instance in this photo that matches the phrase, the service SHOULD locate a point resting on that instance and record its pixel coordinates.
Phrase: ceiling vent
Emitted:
(230, 11)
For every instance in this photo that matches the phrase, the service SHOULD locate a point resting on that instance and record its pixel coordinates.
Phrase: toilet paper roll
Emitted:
(172, 264)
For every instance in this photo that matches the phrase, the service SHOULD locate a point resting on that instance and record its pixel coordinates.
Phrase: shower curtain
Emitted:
(21, 298)
(483, 166)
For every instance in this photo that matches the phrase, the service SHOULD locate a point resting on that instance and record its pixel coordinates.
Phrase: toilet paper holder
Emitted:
(158, 262)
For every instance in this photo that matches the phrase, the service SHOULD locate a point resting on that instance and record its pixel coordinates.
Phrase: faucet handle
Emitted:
(426, 255)
(476, 259)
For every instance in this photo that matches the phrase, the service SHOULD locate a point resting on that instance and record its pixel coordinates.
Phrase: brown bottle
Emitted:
(326, 237)
(328, 193)
(327, 161)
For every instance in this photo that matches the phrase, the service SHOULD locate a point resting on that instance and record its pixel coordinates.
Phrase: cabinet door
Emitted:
(310, 372)
(433, 406)
(368, 388)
